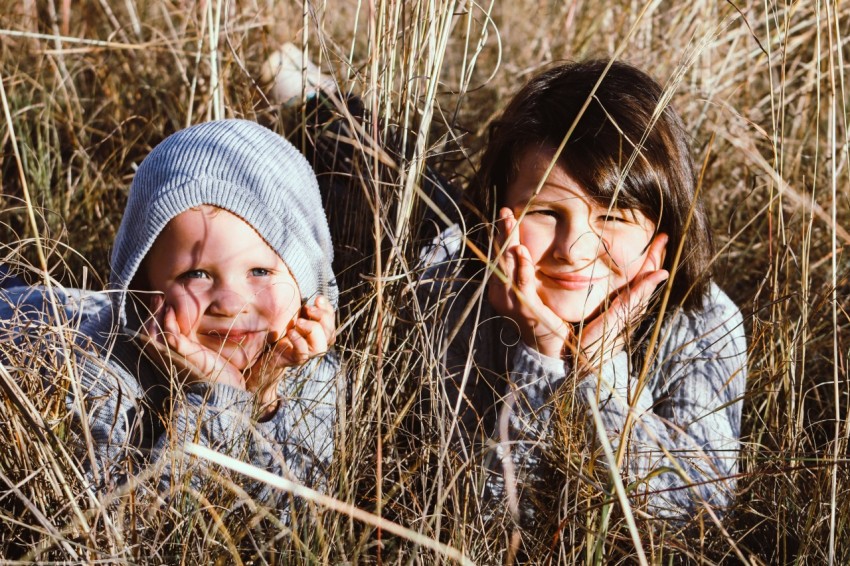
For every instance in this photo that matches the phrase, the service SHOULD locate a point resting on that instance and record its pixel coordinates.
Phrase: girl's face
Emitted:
(582, 252)
(230, 291)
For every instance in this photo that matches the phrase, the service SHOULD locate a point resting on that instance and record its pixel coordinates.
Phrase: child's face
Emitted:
(230, 291)
(582, 252)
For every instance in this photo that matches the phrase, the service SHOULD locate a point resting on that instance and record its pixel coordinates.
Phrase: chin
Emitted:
(575, 318)
(575, 309)
(239, 356)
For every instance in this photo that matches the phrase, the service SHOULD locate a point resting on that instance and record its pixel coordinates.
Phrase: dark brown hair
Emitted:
(619, 121)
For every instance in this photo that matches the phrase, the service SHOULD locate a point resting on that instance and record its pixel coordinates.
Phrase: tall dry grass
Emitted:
(91, 87)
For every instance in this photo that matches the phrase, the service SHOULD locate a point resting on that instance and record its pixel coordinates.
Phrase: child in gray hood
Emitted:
(221, 315)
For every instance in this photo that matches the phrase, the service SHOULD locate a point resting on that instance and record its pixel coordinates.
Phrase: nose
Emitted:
(577, 243)
(227, 301)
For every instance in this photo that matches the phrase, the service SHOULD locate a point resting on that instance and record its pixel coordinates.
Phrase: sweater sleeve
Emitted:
(108, 407)
(684, 440)
(683, 445)
(104, 400)
(122, 417)
(296, 442)
(523, 430)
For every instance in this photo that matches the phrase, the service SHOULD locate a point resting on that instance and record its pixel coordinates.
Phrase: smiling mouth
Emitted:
(572, 281)
(232, 335)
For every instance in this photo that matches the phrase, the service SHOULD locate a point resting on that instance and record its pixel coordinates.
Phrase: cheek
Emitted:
(536, 238)
(279, 305)
(628, 256)
(187, 307)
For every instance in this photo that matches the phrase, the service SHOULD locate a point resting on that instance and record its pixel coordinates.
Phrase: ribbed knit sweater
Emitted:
(138, 415)
(684, 442)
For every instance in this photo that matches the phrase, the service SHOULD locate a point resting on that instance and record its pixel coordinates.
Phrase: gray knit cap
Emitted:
(244, 168)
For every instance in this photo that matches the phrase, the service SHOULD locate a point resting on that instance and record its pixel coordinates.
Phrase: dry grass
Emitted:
(92, 86)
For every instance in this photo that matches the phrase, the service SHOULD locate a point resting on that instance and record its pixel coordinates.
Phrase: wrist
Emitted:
(224, 374)
(551, 347)
(599, 352)
(267, 401)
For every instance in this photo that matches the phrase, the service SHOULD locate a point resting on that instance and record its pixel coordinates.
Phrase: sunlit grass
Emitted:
(93, 86)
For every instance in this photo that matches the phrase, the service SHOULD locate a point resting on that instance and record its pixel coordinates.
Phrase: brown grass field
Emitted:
(89, 87)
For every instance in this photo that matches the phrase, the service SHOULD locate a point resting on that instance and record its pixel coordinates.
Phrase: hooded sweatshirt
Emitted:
(136, 414)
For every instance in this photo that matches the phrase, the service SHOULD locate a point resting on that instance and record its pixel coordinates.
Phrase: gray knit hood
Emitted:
(241, 167)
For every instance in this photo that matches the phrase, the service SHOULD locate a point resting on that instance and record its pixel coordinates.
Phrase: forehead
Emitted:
(559, 186)
(208, 232)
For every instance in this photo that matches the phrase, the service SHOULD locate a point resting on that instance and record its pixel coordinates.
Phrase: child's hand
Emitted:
(171, 347)
(605, 334)
(541, 328)
(517, 297)
(310, 335)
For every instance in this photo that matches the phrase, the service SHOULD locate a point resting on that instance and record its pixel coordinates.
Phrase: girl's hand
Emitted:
(171, 347)
(605, 335)
(517, 297)
(310, 335)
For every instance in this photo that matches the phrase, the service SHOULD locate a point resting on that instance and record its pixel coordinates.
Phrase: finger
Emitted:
(282, 353)
(606, 331)
(524, 275)
(315, 311)
(323, 313)
(153, 325)
(509, 266)
(300, 350)
(511, 228)
(171, 332)
(314, 334)
(534, 308)
(643, 287)
(631, 303)
(506, 236)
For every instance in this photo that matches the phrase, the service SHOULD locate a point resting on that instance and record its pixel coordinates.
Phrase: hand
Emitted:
(605, 335)
(168, 347)
(517, 298)
(310, 335)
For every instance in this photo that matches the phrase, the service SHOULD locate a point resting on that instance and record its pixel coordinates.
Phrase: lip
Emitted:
(234, 335)
(572, 281)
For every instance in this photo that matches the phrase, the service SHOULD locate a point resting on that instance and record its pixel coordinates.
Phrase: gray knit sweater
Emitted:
(139, 418)
(133, 415)
(137, 414)
(684, 442)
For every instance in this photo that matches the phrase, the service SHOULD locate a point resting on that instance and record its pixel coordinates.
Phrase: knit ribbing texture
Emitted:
(241, 167)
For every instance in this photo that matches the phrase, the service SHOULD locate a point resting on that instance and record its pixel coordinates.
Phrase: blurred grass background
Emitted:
(91, 86)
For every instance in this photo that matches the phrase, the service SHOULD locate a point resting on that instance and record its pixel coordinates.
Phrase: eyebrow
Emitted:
(538, 200)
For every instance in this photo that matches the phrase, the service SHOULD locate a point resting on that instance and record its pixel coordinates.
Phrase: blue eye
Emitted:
(260, 272)
(195, 274)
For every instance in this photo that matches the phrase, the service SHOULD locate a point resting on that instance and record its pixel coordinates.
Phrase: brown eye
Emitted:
(543, 212)
(613, 218)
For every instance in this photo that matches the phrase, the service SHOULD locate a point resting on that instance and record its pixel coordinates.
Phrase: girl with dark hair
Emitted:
(577, 282)
(581, 285)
